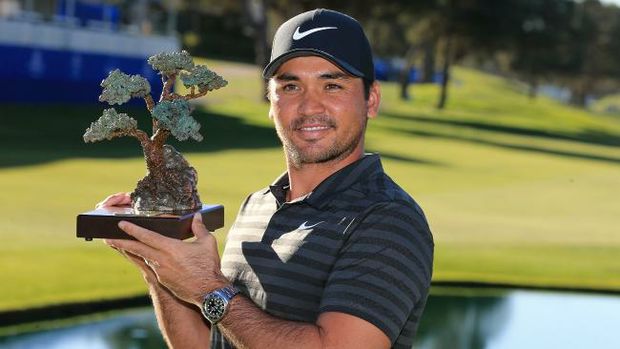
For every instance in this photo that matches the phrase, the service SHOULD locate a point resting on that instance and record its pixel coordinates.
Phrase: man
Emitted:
(333, 253)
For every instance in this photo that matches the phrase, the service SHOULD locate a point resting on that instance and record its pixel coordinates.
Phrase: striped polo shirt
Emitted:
(357, 244)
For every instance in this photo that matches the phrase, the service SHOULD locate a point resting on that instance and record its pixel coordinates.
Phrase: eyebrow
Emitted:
(287, 77)
(333, 75)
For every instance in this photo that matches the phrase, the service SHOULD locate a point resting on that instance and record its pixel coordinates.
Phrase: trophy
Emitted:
(166, 199)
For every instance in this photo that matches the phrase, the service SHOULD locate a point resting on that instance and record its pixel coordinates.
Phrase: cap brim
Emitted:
(273, 66)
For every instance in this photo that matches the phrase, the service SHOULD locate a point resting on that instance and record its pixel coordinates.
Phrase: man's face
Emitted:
(319, 111)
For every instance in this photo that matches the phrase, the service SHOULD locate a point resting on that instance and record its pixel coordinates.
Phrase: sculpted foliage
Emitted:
(170, 184)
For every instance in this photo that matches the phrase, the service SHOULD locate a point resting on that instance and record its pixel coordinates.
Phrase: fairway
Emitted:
(517, 191)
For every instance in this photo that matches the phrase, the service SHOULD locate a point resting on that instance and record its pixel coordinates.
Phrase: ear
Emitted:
(374, 98)
(271, 97)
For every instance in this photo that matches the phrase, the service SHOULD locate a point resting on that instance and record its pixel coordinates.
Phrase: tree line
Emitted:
(567, 43)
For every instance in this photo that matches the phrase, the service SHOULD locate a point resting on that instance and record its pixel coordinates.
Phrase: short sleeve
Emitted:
(383, 271)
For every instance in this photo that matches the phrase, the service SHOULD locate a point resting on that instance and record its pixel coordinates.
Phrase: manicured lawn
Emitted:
(610, 104)
(516, 191)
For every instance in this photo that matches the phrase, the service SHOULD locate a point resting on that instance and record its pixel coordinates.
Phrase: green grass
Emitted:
(610, 104)
(516, 191)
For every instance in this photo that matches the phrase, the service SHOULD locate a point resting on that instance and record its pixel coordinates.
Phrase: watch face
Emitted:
(215, 307)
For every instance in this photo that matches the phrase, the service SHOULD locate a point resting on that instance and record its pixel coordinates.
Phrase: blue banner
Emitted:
(38, 75)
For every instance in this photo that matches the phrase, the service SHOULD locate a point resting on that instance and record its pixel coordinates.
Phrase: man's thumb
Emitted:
(198, 228)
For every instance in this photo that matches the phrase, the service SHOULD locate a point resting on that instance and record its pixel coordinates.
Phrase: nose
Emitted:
(311, 103)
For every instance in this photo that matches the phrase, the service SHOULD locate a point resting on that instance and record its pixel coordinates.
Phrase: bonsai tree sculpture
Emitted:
(170, 183)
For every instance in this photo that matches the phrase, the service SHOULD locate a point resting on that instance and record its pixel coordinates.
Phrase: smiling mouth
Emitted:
(313, 128)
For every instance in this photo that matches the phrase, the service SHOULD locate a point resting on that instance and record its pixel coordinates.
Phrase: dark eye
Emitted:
(289, 87)
(333, 87)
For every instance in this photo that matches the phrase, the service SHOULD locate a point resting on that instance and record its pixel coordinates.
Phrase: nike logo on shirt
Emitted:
(297, 35)
(304, 225)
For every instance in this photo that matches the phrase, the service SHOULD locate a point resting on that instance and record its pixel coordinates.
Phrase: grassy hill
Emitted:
(517, 191)
(609, 104)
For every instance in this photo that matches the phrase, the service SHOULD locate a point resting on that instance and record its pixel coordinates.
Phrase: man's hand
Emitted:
(180, 322)
(122, 199)
(189, 269)
(118, 199)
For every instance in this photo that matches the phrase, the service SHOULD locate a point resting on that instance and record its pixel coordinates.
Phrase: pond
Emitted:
(454, 319)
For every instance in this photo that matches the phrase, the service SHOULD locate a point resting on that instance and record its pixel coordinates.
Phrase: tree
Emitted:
(256, 12)
(170, 183)
(542, 41)
(593, 58)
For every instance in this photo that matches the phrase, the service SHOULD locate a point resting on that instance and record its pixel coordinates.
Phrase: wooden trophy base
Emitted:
(103, 222)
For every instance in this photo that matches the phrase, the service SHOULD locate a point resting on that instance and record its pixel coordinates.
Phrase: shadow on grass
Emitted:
(38, 134)
(529, 148)
(585, 136)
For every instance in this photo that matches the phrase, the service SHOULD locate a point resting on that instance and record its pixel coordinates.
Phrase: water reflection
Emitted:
(135, 329)
(454, 320)
(459, 322)
(521, 319)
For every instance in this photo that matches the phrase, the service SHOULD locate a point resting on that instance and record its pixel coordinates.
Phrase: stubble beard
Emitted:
(339, 149)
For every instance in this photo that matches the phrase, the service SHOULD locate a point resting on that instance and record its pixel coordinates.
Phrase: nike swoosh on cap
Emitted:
(297, 35)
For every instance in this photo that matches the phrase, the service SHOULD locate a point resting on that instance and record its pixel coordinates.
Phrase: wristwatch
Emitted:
(216, 302)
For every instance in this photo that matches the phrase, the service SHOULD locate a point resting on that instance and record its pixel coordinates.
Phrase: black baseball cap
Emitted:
(326, 33)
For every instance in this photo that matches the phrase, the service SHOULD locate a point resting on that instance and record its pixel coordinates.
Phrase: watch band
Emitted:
(229, 291)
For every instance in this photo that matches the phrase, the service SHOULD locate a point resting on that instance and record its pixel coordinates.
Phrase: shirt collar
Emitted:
(357, 172)
(279, 187)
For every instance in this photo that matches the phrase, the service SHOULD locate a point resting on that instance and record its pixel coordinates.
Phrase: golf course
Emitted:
(518, 192)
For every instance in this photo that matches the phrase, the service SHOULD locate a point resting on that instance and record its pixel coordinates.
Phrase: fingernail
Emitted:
(122, 224)
(198, 216)
(109, 243)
